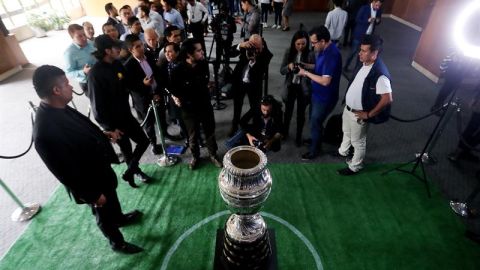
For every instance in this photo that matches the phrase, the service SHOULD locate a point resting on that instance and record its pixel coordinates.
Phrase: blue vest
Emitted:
(370, 98)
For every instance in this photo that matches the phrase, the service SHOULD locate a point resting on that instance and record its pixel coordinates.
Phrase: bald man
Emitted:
(248, 76)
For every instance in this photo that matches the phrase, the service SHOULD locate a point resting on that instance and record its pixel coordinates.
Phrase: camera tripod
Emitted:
(218, 105)
(425, 157)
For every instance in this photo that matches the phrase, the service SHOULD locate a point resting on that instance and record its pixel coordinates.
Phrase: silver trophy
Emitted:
(245, 184)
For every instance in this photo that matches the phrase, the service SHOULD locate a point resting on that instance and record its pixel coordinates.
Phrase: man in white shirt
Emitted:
(197, 16)
(367, 101)
(336, 20)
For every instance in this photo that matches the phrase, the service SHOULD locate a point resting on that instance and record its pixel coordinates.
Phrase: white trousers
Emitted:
(354, 134)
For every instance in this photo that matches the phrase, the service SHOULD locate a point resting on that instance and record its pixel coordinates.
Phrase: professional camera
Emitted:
(251, 52)
(296, 67)
(259, 145)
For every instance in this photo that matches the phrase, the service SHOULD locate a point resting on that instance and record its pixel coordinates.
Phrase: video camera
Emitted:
(251, 52)
(259, 145)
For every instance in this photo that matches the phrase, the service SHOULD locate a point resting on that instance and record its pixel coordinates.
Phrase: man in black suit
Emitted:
(144, 84)
(79, 154)
(109, 100)
(112, 14)
(248, 76)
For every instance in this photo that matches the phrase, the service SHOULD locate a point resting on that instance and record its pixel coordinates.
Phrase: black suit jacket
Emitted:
(76, 151)
(141, 93)
(108, 95)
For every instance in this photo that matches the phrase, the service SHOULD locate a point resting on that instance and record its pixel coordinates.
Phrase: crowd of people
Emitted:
(156, 52)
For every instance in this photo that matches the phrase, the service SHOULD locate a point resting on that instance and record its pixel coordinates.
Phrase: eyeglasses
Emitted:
(314, 42)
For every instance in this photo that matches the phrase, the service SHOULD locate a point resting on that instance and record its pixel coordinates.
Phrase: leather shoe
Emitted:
(346, 172)
(126, 248)
(215, 161)
(192, 165)
(128, 177)
(145, 178)
(130, 218)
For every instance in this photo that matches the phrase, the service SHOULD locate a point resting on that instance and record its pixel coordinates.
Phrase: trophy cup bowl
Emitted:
(245, 184)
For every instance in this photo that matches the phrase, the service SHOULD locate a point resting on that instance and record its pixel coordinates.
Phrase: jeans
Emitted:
(320, 112)
(278, 7)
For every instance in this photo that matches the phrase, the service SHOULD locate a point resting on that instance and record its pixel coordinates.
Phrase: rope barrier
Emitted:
(444, 106)
(32, 112)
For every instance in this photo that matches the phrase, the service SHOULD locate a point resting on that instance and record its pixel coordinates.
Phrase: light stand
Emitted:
(424, 156)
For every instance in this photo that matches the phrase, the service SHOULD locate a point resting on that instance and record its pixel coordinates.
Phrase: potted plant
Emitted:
(58, 22)
(40, 24)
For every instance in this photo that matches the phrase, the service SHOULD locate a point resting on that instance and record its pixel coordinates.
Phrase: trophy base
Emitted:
(221, 263)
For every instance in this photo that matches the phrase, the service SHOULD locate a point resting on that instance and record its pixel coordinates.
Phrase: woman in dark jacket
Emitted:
(296, 87)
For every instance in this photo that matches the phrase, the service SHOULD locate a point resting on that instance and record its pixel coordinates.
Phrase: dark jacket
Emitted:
(141, 93)
(76, 151)
(257, 71)
(190, 85)
(370, 98)
(108, 94)
(361, 21)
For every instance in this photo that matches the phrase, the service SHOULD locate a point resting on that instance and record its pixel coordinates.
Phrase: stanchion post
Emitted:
(25, 211)
(164, 160)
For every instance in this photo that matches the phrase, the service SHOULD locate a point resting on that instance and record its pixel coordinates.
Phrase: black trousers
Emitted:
(471, 134)
(295, 92)
(109, 215)
(131, 130)
(197, 30)
(254, 94)
(193, 119)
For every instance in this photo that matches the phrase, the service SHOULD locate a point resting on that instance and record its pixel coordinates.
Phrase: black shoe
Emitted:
(346, 172)
(192, 165)
(130, 218)
(475, 237)
(215, 161)
(126, 248)
(145, 178)
(128, 177)
(156, 149)
(308, 156)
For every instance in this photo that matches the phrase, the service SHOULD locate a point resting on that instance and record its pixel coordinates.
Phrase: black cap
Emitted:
(103, 42)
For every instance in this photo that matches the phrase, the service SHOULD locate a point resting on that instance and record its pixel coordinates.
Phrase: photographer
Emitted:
(248, 75)
(296, 87)
(264, 131)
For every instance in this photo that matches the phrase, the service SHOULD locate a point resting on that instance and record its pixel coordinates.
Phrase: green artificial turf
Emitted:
(366, 221)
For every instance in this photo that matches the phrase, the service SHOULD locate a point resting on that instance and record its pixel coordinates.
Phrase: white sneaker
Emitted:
(265, 25)
(274, 26)
(279, 26)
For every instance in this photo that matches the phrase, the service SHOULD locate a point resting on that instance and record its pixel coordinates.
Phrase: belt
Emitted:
(350, 109)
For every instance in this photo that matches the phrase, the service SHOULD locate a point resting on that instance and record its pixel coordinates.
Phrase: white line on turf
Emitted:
(206, 220)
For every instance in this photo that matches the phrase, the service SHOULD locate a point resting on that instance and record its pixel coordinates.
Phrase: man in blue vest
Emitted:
(367, 101)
